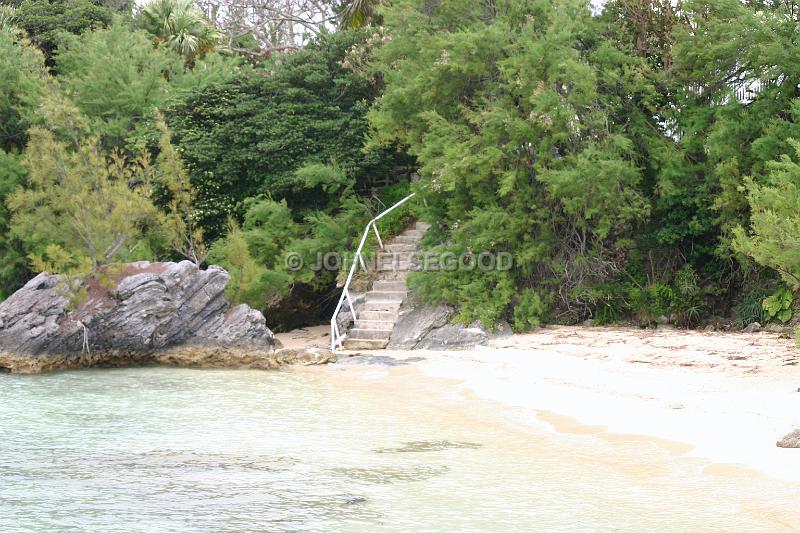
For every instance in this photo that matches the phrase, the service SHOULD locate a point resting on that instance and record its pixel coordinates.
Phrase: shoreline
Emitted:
(724, 398)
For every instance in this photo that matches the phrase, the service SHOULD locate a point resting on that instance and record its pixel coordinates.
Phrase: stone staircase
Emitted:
(379, 313)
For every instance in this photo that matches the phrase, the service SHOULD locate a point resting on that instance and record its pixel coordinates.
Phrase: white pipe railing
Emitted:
(337, 338)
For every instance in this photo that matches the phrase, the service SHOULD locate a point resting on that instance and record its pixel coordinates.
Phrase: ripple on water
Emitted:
(159, 449)
(429, 446)
(383, 475)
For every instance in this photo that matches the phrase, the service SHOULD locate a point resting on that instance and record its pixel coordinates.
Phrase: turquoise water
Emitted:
(161, 449)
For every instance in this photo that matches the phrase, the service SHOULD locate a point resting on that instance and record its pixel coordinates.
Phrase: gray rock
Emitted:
(777, 328)
(305, 356)
(452, 336)
(415, 323)
(753, 327)
(379, 360)
(501, 330)
(792, 440)
(152, 307)
(345, 318)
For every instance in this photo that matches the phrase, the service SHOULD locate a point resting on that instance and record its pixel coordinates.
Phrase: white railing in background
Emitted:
(336, 336)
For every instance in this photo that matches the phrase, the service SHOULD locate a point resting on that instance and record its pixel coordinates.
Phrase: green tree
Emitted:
(13, 264)
(78, 209)
(250, 134)
(516, 115)
(180, 26)
(357, 13)
(47, 20)
(248, 277)
(22, 81)
(135, 78)
(183, 234)
(774, 236)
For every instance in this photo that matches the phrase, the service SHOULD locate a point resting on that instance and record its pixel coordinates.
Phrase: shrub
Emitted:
(529, 311)
(779, 306)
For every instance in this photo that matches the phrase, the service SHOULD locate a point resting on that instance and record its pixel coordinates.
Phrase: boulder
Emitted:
(753, 327)
(414, 324)
(137, 313)
(452, 337)
(501, 330)
(792, 440)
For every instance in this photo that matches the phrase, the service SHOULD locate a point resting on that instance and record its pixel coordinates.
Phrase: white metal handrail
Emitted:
(336, 337)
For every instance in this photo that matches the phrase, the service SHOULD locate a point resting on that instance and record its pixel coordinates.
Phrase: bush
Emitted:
(529, 311)
(779, 306)
(750, 307)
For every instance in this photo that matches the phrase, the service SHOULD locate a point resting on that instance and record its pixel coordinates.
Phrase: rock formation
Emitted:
(792, 440)
(138, 313)
(428, 328)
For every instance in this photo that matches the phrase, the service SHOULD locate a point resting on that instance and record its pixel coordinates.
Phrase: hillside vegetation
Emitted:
(638, 162)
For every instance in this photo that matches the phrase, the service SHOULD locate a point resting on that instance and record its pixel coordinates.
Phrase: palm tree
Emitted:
(357, 13)
(8, 16)
(179, 25)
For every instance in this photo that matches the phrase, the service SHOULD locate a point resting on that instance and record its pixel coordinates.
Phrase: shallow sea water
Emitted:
(335, 449)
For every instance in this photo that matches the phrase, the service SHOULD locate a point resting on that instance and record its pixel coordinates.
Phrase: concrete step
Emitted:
(358, 333)
(376, 305)
(405, 239)
(387, 296)
(393, 275)
(374, 324)
(422, 226)
(400, 247)
(399, 266)
(389, 256)
(378, 316)
(386, 285)
(365, 344)
(413, 233)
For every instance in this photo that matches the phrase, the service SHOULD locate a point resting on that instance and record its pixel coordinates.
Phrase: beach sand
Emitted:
(723, 397)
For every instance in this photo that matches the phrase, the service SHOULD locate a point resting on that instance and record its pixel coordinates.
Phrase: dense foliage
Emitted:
(607, 153)
(637, 163)
(249, 135)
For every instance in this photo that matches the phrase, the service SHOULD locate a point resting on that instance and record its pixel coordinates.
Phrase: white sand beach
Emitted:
(725, 398)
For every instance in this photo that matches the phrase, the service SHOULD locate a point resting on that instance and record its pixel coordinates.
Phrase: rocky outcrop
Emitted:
(428, 328)
(453, 337)
(792, 440)
(138, 313)
(414, 324)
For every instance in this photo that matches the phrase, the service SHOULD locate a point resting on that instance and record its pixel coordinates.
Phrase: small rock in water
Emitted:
(380, 360)
(792, 440)
(354, 500)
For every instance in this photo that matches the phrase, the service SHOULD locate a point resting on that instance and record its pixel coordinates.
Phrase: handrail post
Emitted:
(350, 303)
(336, 337)
(377, 235)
